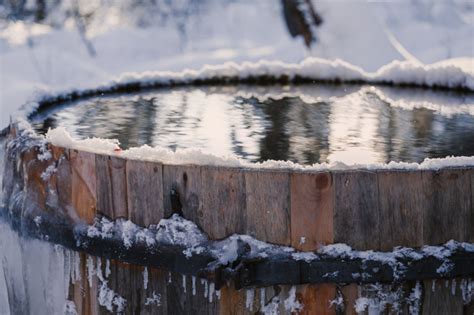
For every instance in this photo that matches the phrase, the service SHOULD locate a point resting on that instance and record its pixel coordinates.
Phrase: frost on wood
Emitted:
(155, 299)
(291, 303)
(111, 300)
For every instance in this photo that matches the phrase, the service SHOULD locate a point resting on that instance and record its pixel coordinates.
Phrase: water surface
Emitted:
(305, 124)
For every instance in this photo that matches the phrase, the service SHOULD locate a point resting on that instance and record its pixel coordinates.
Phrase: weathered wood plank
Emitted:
(268, 206)
(233, 302)
(85, 293)
(105, 204)
(311, 210)
(144, 192)
(223, 202)
(111, 186)
(83, 184)
(316, 298)
(356, 211)
(119, 185)
(401, 205)
(35, 185)
(441, 300)
(185, 180)
(63, 181)
(350, 293)
(449, 203)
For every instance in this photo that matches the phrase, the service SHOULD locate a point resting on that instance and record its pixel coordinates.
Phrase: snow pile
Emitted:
(61, 137)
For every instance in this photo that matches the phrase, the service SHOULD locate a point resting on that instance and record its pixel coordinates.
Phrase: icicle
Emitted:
(169, 277)
(193, 278)
(99, 269)
(250, 294)
(107, 268)
(433, 285)
(90, 270)
(145, 278)
(184, 283)
(77, 267)
(453, 287)
(204, 282)
(262, 298)
(218, 294)
(211, 291)
(446, 283)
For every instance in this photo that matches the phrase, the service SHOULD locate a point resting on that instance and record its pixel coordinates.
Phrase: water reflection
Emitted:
(305, 124)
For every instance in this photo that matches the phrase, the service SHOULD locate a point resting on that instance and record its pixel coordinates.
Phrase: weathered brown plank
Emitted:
(449, 203)
(111, 186)
(63, 181)
(233, 302)
(144, 192)
(350, 294)
(85, 295)
(119, 185)
(182, 299)
(186, 181)
(316, 298)
(83, 184)
(268, 206)
(311, 210)
(35, 185)
(442, 300)
(223, 202)
(401, 204)
(356, 213)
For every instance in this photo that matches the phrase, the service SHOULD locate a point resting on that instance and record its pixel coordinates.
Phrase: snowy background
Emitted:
(83, 43)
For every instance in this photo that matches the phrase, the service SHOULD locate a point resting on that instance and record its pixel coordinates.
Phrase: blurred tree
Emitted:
(301, 19)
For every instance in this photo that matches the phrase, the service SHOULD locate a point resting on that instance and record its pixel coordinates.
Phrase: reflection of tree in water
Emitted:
(283, 129)
(275, 143)
(308, 127)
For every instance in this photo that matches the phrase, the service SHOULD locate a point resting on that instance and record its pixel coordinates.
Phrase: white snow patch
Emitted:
(155, 299)
(111, 300)
(48, 172)
(291, 303)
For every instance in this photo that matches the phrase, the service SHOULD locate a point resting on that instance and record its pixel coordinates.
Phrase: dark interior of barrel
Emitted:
(306, 124)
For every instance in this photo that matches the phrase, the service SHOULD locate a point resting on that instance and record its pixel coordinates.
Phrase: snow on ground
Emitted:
(36, 58)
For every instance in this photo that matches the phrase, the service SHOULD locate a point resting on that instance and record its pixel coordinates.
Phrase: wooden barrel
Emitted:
(365, 209)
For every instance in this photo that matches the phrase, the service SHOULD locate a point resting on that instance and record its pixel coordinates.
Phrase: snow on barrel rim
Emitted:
(440, 75)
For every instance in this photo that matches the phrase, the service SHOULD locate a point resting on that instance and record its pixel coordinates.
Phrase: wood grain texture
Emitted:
(35, 186)
(145, 192)
(111, 186)
(316, 298)
(401, 205)
(356, 212)
(223, 202)
(83, 184)
(186, 181)
(268, 206)
(350, 293)
(85, 294)
(441, 301)
(233, 302)
(312, 210)
(446, 217)
(182, 299)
